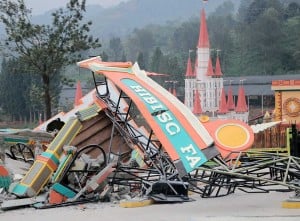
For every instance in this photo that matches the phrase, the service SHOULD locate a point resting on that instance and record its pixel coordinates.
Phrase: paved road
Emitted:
(236, 207)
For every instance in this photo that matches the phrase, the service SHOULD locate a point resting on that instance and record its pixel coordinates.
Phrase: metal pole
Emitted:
(262, 103)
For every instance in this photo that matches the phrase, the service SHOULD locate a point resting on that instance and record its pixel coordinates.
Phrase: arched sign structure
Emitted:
(182, 135)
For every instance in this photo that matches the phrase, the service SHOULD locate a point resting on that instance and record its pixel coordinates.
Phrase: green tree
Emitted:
(170, 65)
(124, 58)
(258, 7)
(141, 41)
(141, 61)
(116, 48)
(259, 37)
(184, 37)
(47, 48)
(156, 60)
(292, 44)
(292, 10)
(267, 47)
(221, 28)
(225, 9)
(104, 56)
(14, 89)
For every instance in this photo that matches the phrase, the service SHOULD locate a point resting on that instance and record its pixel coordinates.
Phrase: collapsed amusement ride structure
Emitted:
(131, 136)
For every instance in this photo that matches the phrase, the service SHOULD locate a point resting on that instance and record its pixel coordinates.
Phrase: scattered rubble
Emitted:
(105, 152)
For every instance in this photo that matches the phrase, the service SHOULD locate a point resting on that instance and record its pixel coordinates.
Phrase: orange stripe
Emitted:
(3, 171)
(99, 102)
(180, 117)
(47, 161)
(147, 115)
(97, 60)
(116, 77)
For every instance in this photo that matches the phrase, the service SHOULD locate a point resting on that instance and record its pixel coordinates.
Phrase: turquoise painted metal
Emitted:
(180, 139)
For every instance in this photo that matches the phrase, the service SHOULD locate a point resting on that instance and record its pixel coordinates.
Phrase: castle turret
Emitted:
(189, 84)
(203, 41)
(241, 106)
(218, 71)
(197, 110)
(189, 70)
(210, 70)
(207, 81)
(202, 49)
(223, 105)
(218, 80)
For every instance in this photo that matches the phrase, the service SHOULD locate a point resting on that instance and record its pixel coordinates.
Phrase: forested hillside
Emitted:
(124, 18)
(261, 38)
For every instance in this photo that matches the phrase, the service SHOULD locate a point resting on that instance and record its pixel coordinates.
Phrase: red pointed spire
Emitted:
(218, 71)
(203, 41)
(174, 92)
(241, 105)
(197, 103)
(230, 103)
(78, 94)
(189, 70)
(210, 71)
(223, 106)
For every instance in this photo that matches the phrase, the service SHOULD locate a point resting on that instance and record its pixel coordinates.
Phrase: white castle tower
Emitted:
(207, 83)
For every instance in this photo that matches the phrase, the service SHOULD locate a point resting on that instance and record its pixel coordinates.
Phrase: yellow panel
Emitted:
(232, 136)
(65, 135)
(32, 173)
(291, 204)
(136, 203)
(41, 179)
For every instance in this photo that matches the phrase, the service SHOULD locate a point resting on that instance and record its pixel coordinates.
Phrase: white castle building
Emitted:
(204, 89)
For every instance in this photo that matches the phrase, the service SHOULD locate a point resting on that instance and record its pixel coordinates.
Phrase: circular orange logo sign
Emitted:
(292, 106)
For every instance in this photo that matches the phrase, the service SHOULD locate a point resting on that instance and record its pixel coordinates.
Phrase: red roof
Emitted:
(210, 71)
(218, 71)
(223, 106)
(241, 105)
(203, 41)
(174, 92)
(197, 103)
(78, 94)
(189, 70)
(230, 103)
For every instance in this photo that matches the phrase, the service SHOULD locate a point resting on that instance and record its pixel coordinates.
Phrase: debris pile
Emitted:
(129, 139)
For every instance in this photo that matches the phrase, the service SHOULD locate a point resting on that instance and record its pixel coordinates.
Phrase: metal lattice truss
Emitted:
(262, 172)
(157, 172)
(258, 172)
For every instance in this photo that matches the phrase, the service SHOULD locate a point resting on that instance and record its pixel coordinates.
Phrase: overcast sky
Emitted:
(41, 6)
